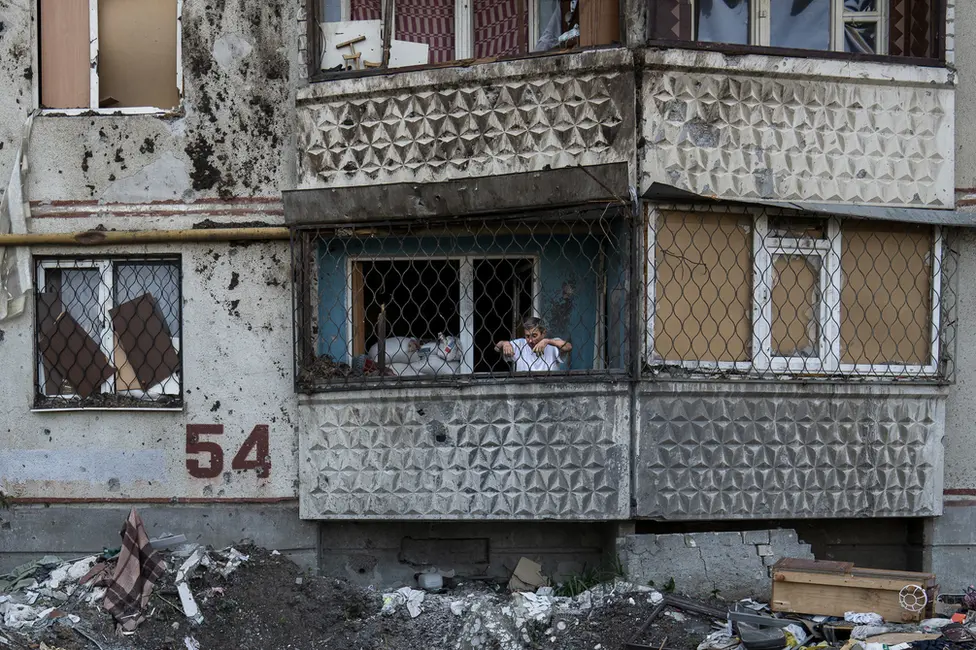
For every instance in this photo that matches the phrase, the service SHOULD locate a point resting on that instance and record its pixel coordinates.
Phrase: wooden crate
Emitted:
(833, 588)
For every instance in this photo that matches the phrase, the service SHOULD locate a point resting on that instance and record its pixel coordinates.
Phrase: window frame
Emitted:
(938, 60)
(106, 297)
(466, 300)
(760, 18)
(463, 39)
(762, 362)
(93, 80)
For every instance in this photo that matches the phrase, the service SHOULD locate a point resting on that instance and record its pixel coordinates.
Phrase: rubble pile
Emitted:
(166, 594)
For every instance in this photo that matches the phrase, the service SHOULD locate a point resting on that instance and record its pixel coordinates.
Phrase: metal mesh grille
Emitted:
(529, 296)
(766, 292)
(108, 332)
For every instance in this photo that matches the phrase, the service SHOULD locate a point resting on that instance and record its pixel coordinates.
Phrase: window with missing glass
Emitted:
(873, 27)
(108, 333)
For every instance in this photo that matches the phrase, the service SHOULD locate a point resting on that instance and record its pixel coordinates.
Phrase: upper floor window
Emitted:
(350, 35)
(762, 293)
(109, 54)
(911, 28)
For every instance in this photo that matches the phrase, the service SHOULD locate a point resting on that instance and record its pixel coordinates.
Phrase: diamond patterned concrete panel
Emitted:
(787, 133)
(788, 452)
(515, 117)
(521, 452)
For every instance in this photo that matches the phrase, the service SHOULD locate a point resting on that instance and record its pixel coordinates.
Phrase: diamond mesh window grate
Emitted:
(514, 298)
(109, 333)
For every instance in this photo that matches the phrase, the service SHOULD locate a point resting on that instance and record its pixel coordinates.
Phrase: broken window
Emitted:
(802, 295)
(894, 27)
(441, 31)
(108, 333)
(482, 299)
(111, 54)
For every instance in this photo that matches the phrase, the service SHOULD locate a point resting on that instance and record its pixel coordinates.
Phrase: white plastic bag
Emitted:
(447, 348)
(399, 349)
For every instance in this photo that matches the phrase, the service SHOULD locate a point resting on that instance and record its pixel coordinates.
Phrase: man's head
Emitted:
(535, 331)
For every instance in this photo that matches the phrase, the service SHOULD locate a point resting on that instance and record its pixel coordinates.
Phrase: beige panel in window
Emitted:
(599, 22)
(704, 287)
(137, 53)
(886, 298)
(795, 303)
(65, 54)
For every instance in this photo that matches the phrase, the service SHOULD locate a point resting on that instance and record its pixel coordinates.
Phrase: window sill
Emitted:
(127, 409)
(130, 110)
(320, 76)
(406, 383)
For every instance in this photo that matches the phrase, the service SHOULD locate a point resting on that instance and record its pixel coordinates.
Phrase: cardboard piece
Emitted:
(368, 45)
(527, 576)
(146, 340)
(68, 351)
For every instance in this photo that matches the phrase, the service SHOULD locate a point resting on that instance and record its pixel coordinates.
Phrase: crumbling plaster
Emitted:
(236, 298)
(231, 137)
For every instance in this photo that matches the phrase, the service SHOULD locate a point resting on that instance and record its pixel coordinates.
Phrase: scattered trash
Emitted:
(527, 576)
(412, 598)
(866, 618)
(191, 643)
(189, 603)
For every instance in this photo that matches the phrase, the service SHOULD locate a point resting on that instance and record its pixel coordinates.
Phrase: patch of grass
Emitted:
(590, 577)
(667, 588)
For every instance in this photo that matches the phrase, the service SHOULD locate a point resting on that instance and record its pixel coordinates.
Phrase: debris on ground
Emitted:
(249, 598)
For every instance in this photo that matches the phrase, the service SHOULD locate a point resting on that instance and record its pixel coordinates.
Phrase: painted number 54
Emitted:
(253, 454)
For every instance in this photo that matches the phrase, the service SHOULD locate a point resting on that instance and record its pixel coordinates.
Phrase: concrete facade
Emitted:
(251, 127)
(730, 565)
(950, 539)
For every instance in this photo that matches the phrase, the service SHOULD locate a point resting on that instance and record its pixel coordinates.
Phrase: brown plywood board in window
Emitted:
(65, 54)
(704, 287)
(146, 340)
(70, 351)
(886, 297)
(599, 22)
(137, 52)
(795, 302)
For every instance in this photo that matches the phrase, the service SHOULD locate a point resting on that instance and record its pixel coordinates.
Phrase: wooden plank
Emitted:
(831, 600)
(358, 310)
(865, 582)
(64, 44)
(599, 22)
(817, 566)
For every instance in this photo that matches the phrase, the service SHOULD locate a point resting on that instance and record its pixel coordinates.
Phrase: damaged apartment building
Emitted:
(269, 270)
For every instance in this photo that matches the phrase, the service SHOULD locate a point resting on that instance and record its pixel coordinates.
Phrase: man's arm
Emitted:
(505, 347)
(559, 344)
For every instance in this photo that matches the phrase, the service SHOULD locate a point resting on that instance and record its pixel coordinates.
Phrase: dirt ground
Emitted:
(268, 603)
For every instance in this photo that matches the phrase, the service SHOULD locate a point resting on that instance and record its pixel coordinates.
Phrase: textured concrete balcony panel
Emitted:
(460, 122)
(791, 129)
(766, 451)
(522, 451)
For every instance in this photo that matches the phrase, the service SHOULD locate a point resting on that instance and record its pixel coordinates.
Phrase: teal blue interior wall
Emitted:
(568, 278)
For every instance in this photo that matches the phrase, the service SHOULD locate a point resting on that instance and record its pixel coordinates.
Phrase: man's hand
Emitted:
(505, 347)
(541, 346)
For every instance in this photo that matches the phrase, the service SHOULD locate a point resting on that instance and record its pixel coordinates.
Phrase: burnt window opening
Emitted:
(348, 35)
(897, 28)
(109, 54)
(476, 300)
(108, 333)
